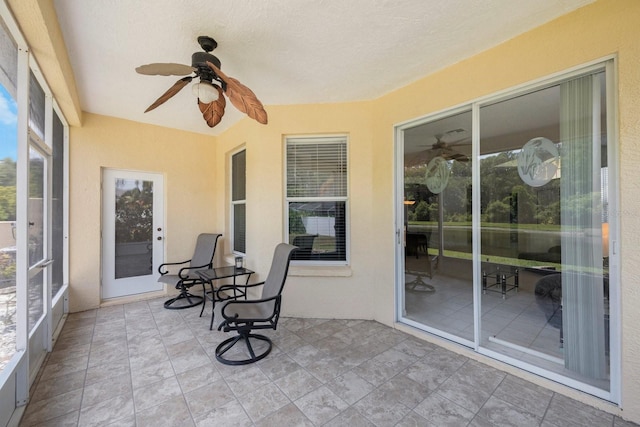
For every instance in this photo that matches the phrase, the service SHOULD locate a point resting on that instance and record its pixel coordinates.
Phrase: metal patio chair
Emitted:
(202, 258)
(243, 316)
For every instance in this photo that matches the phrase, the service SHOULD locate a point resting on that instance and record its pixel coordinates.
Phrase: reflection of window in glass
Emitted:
(8, 153)
(238, 200)
(316, 192)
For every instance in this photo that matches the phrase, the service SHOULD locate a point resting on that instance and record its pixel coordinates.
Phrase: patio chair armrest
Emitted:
(184, 272)
(165, 271)
(231, 303)
(232, 287)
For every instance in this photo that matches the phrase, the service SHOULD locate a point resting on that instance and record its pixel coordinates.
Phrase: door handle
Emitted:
(46, 263)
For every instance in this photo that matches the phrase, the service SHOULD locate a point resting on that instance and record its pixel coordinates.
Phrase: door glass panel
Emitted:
(35, 209)
(36, 206)
(36, 305)
(543, 211)
(438, 288)
(133, 228)
(8, 155)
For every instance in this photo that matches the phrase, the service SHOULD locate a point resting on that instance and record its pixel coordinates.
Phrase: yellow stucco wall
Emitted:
(184, 159)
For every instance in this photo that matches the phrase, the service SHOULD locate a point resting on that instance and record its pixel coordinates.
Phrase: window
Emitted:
(57, 206)
(238, 201)
(316, 197)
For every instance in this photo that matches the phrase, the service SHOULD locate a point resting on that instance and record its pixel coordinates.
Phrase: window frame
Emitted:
(319, 139)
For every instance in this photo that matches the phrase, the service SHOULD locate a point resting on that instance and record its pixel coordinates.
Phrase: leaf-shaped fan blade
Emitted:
(165, 69)
(450, 154)
(213, 111)
(242, 97)
(168, 94)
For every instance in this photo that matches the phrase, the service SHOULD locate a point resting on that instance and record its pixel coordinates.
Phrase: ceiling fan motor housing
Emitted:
(199, 62)
(207, 43)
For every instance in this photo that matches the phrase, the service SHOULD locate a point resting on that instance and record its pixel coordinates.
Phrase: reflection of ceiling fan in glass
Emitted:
(444, 147)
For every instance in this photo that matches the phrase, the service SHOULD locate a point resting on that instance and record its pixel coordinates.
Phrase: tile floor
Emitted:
(140, 365)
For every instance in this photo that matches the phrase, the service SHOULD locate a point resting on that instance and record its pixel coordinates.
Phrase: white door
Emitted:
(132, 232)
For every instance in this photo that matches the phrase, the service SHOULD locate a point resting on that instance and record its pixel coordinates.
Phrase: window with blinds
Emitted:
(238, 201)
(317, 195)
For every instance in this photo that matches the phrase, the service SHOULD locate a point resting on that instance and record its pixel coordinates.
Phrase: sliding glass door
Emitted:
(438, 280)
(543, 210)
(506, 229)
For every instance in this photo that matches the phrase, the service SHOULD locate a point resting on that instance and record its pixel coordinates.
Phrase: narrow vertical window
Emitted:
(238, 201)
(316, 193)
(57, 206)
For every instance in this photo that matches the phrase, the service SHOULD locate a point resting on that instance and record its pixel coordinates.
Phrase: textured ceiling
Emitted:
(286, 51)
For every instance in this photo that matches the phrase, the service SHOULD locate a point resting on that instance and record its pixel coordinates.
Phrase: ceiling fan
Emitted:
(212, 85)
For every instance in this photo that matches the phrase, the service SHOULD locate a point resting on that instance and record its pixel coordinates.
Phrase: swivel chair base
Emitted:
(183, 300)
(227, 344)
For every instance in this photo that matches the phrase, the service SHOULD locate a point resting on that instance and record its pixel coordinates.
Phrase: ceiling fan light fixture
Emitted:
(211, 97)
(205, 92)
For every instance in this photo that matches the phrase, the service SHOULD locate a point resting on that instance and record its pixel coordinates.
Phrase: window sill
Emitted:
(319, 271)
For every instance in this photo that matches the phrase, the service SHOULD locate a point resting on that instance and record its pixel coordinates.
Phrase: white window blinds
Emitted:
(317, 167)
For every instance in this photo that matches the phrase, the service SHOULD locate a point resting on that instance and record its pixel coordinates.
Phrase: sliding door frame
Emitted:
(607, 64)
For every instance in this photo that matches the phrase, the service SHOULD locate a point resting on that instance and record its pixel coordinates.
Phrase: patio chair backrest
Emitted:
(205, 249)
(278, 271)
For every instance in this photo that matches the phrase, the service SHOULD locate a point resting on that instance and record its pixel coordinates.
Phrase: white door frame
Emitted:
(127, 286)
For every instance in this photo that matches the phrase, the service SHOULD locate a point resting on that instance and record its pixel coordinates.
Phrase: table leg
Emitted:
(213, 306)
(246, 282)
(204, 297)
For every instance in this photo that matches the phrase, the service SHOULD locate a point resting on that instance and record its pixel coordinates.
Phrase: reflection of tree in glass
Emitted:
(501, 185)
(134, 214)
